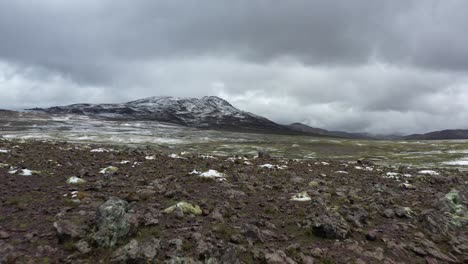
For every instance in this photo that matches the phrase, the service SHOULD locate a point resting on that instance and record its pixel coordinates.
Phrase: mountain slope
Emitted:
(205, 112)
(308, 129)
(444, 134)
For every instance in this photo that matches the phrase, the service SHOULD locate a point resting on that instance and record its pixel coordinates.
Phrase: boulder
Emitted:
(70, 230)
(113, 222)
(330, 225)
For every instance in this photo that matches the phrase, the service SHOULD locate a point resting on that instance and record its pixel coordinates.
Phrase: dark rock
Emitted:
(252, 234)
(137, 252)
(331, 226)
(70, 230)
(372, 235)
(264, 155)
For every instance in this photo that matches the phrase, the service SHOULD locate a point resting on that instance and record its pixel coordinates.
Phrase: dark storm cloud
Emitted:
(338, 64)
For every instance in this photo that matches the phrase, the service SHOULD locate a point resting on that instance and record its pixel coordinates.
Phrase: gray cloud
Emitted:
(376, 66)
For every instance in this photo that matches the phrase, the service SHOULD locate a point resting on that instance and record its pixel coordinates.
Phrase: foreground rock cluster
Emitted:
(112, 204)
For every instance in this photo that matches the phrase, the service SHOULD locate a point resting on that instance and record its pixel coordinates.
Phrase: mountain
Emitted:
(299, 127)
(206, 112)
(444, 134)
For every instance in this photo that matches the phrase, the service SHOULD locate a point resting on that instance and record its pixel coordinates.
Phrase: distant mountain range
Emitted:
(308, 129)
(212, 112)
(444, 134)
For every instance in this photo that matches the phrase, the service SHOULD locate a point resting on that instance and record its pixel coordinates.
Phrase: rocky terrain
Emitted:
(77, 203)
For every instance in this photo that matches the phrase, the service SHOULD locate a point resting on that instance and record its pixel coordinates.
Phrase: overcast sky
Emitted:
(396, 66)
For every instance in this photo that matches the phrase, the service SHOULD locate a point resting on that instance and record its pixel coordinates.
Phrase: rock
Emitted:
(150, 218)
(317, 252)
(372, 235)
(145, 194)
(137, 252)
(278, 257)
(296, 179)
(75, 180)
(113, 222)
(172, 247)
(263, 155)
(180, 260)
(403, 212)
(307, 259)
(389, 213)
(252, 234)
(185, 207)
(83, 247)
(109, 170)
(313, 184)
(70, 230)
(216, 215)
(331, 226)
(6, 253)
(4, 235)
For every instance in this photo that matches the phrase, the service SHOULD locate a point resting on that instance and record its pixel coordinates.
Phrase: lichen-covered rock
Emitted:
(137, 251)
(113, 222)
(185, 207)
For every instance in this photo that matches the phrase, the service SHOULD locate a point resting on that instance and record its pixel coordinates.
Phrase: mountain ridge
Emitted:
(212, 112)
(204, 112)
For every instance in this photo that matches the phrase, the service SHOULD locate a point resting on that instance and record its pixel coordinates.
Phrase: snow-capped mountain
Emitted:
(205, 112)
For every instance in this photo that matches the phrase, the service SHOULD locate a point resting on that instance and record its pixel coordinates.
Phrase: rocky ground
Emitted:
(66, 203)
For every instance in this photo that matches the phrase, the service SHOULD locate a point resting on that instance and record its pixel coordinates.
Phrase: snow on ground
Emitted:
(428, 172)
(271, 166)
(458, 162)
(101, 150)
(213, 174)
(75, 180)
(301, 197)
(341, 172)
(4, 150)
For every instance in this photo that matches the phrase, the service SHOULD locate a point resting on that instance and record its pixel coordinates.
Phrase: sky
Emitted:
(387, 67)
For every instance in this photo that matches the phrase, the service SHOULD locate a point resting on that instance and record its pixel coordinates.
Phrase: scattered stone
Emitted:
(372, 235)
(389, 213)
(137, 252)
(83, 247)
(278, 257)
(331, 226)
(145, 194)
(4, 235)
(252, 234)
(67, 229)
(109, 170)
